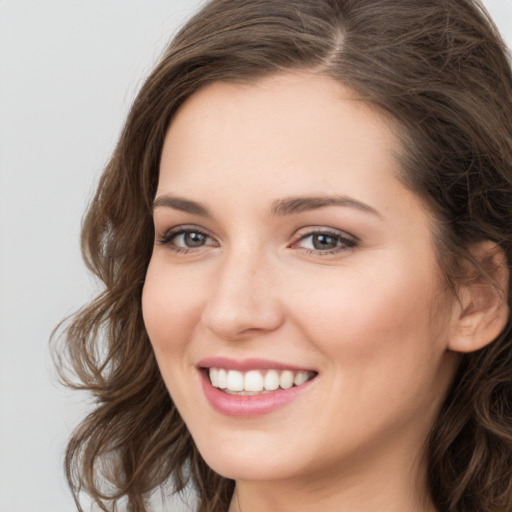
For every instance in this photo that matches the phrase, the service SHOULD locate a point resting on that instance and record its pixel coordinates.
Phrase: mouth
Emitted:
(256, 381)
(252, 387)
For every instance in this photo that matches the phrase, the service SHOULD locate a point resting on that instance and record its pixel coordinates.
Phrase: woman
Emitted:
(304, 236)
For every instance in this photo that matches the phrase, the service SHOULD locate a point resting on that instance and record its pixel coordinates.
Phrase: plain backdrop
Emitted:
(69, 70)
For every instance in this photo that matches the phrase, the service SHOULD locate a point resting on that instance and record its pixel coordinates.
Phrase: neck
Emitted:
(393, 489)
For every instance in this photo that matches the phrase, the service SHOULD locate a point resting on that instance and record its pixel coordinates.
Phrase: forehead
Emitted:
(294, 121)
(298, 99)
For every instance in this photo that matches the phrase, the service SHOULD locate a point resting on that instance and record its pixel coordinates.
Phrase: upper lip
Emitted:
(244, 365)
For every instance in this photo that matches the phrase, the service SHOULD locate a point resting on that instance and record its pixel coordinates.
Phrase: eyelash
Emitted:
(171, 235)
(346, 242)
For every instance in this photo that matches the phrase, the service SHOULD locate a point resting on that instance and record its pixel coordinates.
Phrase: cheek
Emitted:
(383, 350)
(170, 311)
(365, 315)
(171, 306)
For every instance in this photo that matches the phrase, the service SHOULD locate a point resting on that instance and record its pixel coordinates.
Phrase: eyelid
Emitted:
(348, 241)
(318, 228)
(313, 230)
(173, 232)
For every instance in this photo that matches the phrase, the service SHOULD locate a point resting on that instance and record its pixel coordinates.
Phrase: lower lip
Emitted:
(246, 406)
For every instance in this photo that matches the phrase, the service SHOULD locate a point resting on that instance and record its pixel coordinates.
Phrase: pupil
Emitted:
(194, 239)
(324, 242)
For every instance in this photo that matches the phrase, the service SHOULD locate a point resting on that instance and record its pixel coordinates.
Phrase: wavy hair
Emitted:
(441, 70)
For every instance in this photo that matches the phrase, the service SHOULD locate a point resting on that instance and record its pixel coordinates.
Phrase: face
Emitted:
(293, 299)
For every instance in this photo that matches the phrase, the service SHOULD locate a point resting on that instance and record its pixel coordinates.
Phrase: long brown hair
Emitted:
(441, 70)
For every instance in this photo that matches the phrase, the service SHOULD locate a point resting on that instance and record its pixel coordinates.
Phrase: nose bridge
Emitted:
(242, 299)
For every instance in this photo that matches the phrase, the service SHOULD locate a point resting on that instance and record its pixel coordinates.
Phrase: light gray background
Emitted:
(69, 70)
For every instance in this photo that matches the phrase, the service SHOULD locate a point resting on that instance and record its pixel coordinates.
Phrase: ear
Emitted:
(482, 310)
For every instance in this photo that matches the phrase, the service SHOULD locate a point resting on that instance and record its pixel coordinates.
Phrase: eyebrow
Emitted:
(182, 204)
(291, 205)
(280, 207)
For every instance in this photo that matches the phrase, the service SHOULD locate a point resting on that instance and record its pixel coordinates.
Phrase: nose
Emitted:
(243, 300)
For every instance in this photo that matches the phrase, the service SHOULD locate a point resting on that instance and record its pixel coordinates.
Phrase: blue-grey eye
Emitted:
(190, 239)
(322, 241)
(193, 239)
(184, 239)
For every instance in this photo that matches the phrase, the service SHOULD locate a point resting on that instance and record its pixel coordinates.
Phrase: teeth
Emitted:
(253, 381)
(271, 381)
(256, 381)
(286, 379)
(214, 377)
(300, 378)
(222, 379)
(235, 381)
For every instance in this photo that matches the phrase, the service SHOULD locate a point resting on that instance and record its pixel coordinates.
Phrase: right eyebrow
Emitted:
(182, 204)
(293, 205)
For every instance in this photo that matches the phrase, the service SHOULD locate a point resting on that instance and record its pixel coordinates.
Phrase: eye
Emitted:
(324, 241)
(190, 239)
(186, 239)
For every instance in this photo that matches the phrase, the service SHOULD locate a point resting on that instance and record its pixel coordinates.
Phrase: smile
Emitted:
(256, 381)
(252, 387)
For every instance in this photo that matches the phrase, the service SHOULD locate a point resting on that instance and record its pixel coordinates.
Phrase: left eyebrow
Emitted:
(291, 205)
(182, 204)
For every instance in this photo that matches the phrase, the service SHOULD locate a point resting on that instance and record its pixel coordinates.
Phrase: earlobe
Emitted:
(482, 309)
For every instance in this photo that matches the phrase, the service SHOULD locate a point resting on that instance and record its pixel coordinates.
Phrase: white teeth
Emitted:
(286, 379)
(271, 381)
(256, 381)
(235, 381)
(253, 381)
(300, 378)
(214, 377)
(222, 379)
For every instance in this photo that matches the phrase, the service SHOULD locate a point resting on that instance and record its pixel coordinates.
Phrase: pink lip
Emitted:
(245, 365)
(245, 406)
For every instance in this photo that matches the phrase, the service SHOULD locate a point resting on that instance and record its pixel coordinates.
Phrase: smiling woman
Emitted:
(327, 311)
(305, 235)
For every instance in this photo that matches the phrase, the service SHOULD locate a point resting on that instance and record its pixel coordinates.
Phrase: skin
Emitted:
(371, 316)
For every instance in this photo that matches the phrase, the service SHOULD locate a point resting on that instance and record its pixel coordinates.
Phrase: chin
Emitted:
(247, 469)
(251, 459)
